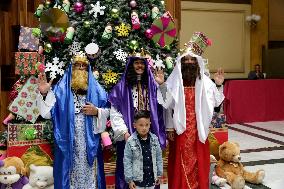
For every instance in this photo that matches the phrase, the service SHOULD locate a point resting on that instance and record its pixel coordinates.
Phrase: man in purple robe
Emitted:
(137, 90)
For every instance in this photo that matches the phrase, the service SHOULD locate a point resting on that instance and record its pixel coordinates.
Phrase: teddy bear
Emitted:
(230, 167)
(12, 173)
(41, 177)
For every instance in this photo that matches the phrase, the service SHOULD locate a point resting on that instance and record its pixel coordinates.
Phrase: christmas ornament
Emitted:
(133, 4)
(169, 62)
(87, 24)
(145, 15)
(79, 7)
(54, 22)
(39, 10)
(114, 13)
(92, 50)
(30, 133)
(158, 63)
(47, 4)
(66, 5)
(40, 49)
(36, 32)
(163, 3)
(123, 30)
(40, 67)
(155, 13)
(55, 68)
(107, 34)
(164, 30)
(149, 33)
(74, 48)
(47, 47)
(133, 45)
(69, 35)
(97, 9)
(135, 20)
(120, 55)
(55, 39)
(110, 77)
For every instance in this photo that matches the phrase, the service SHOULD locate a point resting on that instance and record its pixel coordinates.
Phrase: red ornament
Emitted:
(145, 15)
(79, 7)
(149, 33)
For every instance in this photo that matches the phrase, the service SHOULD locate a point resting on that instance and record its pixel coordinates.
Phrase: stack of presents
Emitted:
(26, 141)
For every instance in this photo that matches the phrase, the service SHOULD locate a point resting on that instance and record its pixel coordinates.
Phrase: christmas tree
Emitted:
(107, 31)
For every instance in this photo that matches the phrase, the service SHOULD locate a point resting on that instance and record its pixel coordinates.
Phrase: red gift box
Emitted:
(221, 134)
(18, 144)
(27, 63)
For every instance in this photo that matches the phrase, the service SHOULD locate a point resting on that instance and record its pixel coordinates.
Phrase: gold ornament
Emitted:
(123, 30)
(110, 77)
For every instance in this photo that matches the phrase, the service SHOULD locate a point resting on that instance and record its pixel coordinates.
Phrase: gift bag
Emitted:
(24, 104)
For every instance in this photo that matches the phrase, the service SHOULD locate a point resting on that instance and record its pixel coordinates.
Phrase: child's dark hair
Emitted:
(141, 114)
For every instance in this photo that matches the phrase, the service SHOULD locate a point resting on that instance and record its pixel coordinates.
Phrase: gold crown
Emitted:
(80, 57)
(141, 54)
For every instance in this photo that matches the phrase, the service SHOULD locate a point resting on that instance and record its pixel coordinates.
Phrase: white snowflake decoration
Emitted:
(120, 55)
(74, 48)
(158, 63)
(97, 9)
(55, 68)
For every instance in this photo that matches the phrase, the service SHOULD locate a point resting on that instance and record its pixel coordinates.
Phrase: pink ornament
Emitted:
(79, 7)
(41, 67)
(133, 4)
(135, 20)
(209, 42)
(40, 50)
(149, 33)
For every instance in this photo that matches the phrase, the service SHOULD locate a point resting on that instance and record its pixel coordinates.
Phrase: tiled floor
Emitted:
(262, 148)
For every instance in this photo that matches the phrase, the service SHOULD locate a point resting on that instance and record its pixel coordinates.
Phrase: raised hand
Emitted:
(219, 76)
(159, 76)
(43, 85)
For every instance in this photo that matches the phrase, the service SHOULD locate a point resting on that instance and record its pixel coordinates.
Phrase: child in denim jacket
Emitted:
(143, 164)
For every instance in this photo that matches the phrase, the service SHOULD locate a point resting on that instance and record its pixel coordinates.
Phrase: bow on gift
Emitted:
(30, 133)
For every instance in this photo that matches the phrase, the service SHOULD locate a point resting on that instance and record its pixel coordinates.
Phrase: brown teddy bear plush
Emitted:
(230, 168)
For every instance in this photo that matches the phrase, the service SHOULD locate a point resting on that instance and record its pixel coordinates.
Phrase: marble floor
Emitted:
(262, 147)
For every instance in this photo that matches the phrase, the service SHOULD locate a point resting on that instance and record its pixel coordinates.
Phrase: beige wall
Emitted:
(225, 25)
(276, 20)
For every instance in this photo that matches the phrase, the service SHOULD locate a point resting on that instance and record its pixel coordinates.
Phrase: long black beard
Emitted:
(189, 74)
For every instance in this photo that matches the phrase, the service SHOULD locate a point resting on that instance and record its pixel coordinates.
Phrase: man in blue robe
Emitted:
(76, 105)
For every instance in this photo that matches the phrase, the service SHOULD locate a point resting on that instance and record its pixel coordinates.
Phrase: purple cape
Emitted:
(121, 99)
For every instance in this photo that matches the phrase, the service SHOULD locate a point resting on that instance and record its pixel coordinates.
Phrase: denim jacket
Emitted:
(133, 159)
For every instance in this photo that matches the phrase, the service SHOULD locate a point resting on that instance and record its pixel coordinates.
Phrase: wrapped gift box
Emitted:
(27, 63)
(27, 41)
(24, 104)
(24, 137)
